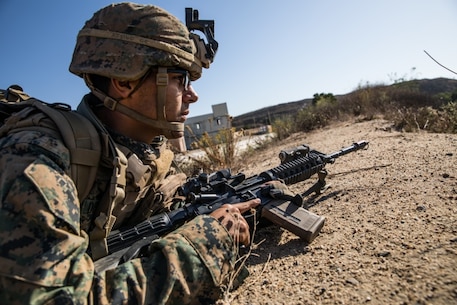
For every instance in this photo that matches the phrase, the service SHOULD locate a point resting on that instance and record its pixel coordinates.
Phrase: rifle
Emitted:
(207, 192)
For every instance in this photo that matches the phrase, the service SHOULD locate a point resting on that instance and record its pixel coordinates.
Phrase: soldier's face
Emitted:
(179, 95)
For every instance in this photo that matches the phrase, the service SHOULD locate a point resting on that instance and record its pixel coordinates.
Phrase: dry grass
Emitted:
(229, 292)
(220, 151)
(409, 109)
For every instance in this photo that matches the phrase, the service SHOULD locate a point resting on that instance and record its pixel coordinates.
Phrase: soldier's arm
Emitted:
(188, 264)
(43, 251)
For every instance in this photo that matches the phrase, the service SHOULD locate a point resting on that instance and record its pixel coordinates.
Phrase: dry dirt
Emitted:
(390, 235)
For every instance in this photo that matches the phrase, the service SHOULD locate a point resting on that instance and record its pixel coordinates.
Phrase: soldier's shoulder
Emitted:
(35, 143)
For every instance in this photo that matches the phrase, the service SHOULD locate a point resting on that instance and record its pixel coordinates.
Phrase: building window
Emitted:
(197, 126)
(218, 121)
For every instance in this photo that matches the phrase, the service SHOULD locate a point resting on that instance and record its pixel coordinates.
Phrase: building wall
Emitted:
(210, 123)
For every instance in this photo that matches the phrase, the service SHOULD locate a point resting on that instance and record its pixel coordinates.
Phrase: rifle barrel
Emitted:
(347, 150)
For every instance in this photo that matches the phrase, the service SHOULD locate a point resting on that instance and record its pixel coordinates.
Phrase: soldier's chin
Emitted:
(176, 134)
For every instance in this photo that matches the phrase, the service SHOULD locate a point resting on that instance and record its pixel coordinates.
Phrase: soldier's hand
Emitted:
(279, 190)
(229, 215)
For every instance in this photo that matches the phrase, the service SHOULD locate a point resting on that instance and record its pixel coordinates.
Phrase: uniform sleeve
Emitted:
(43, 256)
(188, 266)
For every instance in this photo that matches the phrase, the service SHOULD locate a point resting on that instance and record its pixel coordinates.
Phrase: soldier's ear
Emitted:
(121, 88)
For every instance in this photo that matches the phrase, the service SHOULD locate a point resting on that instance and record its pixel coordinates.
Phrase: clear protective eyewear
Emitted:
(185, 82)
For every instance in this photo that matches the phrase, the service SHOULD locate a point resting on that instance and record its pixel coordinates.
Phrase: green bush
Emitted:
(449, 117)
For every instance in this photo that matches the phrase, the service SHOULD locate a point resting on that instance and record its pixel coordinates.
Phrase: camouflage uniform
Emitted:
(44, 232)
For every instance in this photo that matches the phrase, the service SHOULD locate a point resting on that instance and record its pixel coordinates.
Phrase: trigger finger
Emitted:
(247, 205)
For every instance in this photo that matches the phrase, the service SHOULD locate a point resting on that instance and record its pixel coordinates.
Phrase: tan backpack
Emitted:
(77, 132)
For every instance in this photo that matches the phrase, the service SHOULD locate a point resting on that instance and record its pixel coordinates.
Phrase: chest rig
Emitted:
(132, 191)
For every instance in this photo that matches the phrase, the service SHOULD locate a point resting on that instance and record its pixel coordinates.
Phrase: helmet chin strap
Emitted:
(174, 129)
(171, 130)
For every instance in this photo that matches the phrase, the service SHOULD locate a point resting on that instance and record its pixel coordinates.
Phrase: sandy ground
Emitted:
(390, 235)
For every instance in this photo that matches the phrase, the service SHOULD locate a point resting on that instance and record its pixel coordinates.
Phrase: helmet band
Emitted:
(138, 40)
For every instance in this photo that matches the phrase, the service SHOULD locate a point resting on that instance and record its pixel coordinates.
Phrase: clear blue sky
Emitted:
(270, 51)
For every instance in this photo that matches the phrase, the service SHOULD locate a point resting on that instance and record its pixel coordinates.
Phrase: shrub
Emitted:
(442, 120)
(284, 127)
(219, 151)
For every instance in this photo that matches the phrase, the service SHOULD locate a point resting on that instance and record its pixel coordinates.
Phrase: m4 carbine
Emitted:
(207, 193)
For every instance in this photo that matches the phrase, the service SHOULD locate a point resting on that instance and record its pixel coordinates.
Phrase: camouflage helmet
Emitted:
(124, 40)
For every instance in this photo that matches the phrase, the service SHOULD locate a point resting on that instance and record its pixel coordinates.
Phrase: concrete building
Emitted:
(210, 123)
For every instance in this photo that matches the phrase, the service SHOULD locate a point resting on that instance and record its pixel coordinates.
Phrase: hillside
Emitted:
(390, 234)
(267, 115)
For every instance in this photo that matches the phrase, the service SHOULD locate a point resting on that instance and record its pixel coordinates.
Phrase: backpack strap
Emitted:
(86, 138)
(81, 138)
(104, 222)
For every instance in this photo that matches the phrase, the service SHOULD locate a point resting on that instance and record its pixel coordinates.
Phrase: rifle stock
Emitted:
(206, 193)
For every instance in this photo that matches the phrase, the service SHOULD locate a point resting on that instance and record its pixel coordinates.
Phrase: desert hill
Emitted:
(266, 115)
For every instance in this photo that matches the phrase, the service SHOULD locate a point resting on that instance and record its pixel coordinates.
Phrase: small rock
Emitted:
(421, 208)
(319, 291)
(384, 254)
(352, 281)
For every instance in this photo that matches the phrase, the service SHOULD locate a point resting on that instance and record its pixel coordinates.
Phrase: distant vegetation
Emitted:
(409, 105)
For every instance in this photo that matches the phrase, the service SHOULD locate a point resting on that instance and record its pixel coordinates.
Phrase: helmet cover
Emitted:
(124, 40)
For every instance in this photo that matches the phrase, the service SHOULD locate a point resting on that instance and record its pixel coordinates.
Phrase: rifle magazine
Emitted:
(293, 218)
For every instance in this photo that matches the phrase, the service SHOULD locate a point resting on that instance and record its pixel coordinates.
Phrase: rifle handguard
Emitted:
(138, 249)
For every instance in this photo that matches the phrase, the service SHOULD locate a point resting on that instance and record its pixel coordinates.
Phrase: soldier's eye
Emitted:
(182, 77)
